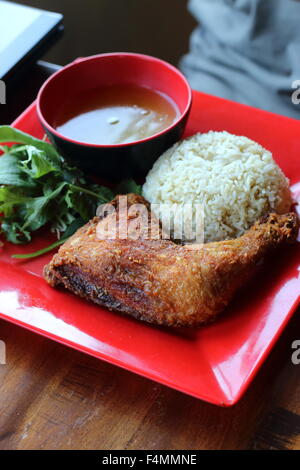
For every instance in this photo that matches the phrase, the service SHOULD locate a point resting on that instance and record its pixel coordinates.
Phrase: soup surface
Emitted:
(116, 114)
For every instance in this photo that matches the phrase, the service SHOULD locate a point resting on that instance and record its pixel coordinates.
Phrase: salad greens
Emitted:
(39, 187)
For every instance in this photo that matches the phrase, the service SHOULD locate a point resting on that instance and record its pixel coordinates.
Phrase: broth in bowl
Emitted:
(117, 114)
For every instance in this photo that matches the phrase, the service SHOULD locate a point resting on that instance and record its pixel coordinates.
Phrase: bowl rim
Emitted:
(79, 60)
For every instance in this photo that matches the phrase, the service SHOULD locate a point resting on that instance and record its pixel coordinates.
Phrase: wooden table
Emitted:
(52, 397)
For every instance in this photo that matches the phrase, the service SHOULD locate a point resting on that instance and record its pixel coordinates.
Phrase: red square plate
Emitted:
(215, 363)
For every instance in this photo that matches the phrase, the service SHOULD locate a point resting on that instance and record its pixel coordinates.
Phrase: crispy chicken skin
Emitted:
(158, 281)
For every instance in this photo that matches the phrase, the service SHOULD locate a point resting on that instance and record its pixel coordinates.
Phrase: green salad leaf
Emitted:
(75, 225)
(129, 186)
(10, 134)
(38, 187)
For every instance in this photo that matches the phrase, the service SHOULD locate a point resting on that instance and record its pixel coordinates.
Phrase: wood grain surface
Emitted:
(52, 397)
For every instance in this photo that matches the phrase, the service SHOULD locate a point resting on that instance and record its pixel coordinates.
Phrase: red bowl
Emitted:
(114, 162)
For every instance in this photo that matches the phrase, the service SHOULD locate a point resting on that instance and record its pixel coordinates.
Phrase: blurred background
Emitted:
(242, 50)
(156, 27)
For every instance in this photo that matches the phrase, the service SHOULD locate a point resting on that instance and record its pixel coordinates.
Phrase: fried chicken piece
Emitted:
(158, 281)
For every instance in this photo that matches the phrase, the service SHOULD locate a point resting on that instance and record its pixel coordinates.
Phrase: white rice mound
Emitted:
(234, 178)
